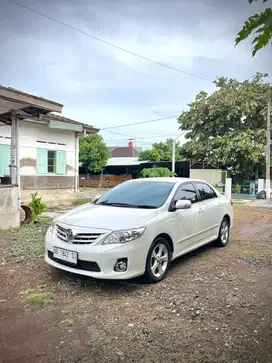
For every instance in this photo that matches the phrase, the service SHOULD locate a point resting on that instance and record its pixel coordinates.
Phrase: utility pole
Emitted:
(174, 151)
(268, 152)
(173, 155)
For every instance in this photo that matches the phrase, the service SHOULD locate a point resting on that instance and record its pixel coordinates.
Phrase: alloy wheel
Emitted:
(224, 232)
(159, 260)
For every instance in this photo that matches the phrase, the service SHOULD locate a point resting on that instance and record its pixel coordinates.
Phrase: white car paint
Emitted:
(187, 228)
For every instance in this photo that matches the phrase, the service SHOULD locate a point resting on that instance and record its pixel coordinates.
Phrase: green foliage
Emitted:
(37, 207)
(93, 152)
(237, 188)
(229, 125)
(161, 151)
(261, 24)
(40, 299)
(156, 172)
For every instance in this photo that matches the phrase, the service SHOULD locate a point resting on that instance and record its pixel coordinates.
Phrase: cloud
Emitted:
(104, 86)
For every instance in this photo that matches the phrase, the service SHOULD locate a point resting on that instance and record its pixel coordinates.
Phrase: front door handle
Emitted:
(200, 210)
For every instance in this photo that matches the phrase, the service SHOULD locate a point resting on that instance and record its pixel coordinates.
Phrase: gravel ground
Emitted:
(214, 306)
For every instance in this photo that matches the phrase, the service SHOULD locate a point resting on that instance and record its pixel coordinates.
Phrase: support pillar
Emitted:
(260, 185)
(13, 149)
(76, 163)
(228, 186)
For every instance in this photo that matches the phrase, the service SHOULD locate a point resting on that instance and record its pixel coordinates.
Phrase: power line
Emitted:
(108, 43)
(117, 133)
(143, 137)
(138, 123)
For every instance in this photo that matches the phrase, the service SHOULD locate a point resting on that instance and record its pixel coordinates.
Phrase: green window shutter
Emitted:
(4, 160)
(42, 162)
(61, 162)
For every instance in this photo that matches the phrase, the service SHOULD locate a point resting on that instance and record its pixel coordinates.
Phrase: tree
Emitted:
(229, 125)
(262, 25)
(161, 151)
(156, 172)
(93, 152)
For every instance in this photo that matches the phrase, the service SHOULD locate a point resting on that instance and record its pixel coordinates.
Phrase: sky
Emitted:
(103, 86)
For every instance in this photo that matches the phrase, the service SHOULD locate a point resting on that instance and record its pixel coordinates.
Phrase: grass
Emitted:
(45, 219)
(27, 242)
(39, 299)
(81, 202)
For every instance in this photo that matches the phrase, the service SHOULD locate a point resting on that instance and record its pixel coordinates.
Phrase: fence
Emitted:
(248, 190)
(89, 183)
(108, 181)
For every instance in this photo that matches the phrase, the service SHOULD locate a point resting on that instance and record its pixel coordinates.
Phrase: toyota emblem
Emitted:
(69, 234)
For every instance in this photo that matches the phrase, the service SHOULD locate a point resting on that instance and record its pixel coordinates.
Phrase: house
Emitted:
(125, 151)
(38, 148)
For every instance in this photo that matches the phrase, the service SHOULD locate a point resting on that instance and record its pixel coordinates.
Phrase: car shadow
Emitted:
(93, 284)
(121, 286)
(189, 257)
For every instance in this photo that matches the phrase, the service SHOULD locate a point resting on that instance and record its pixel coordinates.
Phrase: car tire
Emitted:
(158, 260)
(224, 233)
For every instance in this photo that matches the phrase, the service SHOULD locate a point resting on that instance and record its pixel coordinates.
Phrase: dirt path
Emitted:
(215, 305)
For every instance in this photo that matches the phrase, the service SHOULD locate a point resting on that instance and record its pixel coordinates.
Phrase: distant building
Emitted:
(125, 151)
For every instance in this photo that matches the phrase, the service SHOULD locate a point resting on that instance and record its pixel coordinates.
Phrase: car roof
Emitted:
(173, 180)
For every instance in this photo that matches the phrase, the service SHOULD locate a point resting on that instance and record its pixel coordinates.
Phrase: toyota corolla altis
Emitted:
(138, 228)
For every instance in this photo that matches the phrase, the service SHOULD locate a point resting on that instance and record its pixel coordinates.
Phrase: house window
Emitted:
(51, 161)
(4, 160)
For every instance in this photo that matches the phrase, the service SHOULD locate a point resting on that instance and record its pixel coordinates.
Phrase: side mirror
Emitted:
(183, 204)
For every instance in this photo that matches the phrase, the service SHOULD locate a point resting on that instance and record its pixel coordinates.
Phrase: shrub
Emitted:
(156, 172)
(237, 189)
(37, 207)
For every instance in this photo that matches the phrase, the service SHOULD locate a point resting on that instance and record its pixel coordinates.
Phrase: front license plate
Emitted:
(65, 255)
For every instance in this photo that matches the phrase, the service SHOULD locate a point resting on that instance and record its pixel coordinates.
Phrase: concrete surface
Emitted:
(9, 212)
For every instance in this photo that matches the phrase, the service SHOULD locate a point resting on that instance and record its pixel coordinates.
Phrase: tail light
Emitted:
(231, 202)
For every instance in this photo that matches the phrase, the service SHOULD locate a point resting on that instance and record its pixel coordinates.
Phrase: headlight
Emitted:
(123, 236)
(52, 227)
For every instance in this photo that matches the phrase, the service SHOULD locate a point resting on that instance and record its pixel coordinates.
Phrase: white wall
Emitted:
(212, 176)
(30, 134)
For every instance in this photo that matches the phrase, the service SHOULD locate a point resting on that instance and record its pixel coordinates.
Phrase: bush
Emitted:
(37, 207)
(156, 172)
(237, 189)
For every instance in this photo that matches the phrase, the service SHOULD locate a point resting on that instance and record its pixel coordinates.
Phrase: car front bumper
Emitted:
(100, 259)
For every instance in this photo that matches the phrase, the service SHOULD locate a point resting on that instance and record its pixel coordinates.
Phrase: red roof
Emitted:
(121, 152)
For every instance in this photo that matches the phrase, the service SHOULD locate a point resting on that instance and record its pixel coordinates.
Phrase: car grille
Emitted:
(81, 265)
(79, 238)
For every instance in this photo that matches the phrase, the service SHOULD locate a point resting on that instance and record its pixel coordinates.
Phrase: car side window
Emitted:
(205, 191)
(187, 192)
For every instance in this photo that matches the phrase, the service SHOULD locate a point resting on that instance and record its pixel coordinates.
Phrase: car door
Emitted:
(186, 226)
(210, 213)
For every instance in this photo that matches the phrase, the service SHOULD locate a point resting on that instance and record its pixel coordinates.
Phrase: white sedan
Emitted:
(138, 228)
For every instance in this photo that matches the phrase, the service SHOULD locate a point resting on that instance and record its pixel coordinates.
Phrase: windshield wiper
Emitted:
(146, 206)
(127, 205)
(116, 204)
(106, 202)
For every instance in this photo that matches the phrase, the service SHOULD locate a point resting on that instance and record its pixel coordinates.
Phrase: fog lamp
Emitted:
(121, 265)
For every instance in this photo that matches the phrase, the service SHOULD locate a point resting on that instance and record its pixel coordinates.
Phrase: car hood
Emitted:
(107, 217)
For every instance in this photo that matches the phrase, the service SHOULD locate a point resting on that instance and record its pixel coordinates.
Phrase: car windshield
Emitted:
(137, 194)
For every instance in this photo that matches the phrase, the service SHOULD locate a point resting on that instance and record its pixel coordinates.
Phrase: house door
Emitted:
(4, 160)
